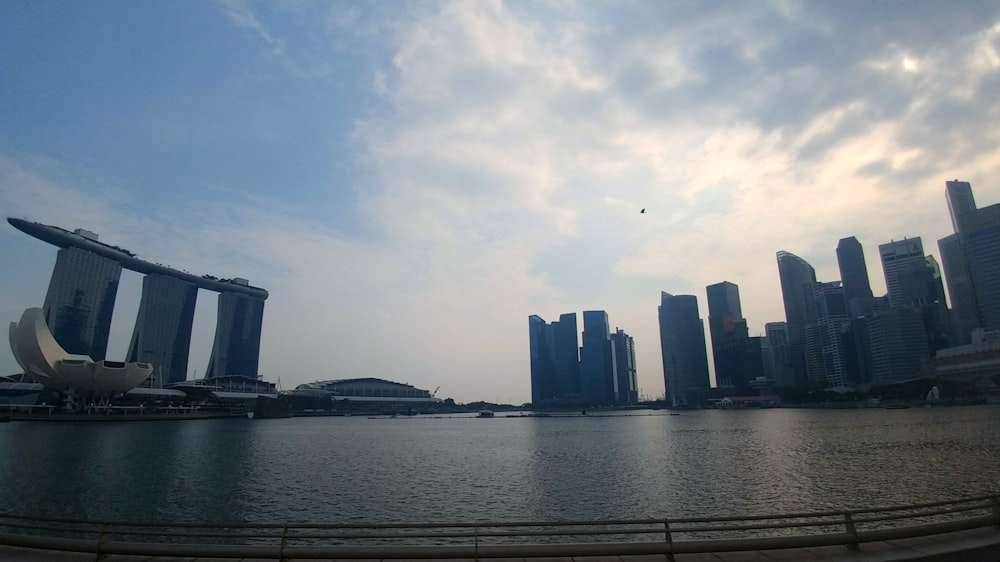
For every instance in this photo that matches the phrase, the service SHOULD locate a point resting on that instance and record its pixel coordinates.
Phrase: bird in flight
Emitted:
(643, 211)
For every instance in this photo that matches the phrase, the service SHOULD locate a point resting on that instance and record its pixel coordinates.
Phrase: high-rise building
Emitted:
(796, 277)
(980, 235)
(566, 355)
(831, 321)
(81, 300)
(777, 343)
(892, 343)
(237, 336)
(626, 383)
(738, 361)
(964, 313)
(899, 257)
(542, 365)
(598, 365)
(853, 270)
(960, 201)
(162, 335)
(682, 344)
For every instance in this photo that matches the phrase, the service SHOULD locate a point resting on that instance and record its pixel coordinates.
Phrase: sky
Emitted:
(411, 180)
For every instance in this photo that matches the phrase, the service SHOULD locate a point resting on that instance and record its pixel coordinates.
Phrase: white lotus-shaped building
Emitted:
(38, 353)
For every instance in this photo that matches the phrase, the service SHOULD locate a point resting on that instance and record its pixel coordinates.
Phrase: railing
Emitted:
(669, 536)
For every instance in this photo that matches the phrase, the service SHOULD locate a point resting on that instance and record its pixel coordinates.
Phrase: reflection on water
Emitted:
(464, 469)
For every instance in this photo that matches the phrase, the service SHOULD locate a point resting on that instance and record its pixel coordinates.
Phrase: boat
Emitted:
(485, 414)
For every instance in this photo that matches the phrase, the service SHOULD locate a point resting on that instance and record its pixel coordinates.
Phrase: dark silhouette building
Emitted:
(853, 270)
(627, 386)
(543, 369)
(796, 277)
(566, 356)
(682, 345)
(81, 300)
(980, 236)
(598, 366)
(162, 335)
(738, 357)
(237, 337)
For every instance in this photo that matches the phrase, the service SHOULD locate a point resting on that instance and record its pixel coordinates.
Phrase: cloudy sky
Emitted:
(412, 180)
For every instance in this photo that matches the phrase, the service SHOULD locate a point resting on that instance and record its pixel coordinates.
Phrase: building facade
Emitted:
(81, 300)
(237, 337)
(627, 385)
(162, 334)
(796, 277)
(730, 337)
(980, 235)
(598, 365)
(682, 346)
(899, 257)
(853, 270)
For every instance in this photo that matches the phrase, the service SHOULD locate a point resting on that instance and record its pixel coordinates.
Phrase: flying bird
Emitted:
(643, 211)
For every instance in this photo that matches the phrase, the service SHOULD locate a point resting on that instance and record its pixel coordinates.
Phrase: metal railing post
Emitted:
(101, 539)
(475, 538)
(852, 531)
(995, 501)
(284, 541)
(670, 540)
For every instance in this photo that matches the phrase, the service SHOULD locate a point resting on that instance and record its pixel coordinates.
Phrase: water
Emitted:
(464, 469)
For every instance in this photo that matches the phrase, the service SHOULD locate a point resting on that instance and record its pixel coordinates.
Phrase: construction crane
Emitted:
(436, 391)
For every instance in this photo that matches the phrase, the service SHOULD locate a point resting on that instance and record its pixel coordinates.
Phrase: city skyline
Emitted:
(390, 175)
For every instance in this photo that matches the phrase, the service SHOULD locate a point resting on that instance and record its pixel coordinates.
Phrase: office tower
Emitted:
(237, 336)
(598, 369)
(737, 360)
(682, 345)
(899, 257)
(891, 344)
(566, 355)
(960, 201)
(964, 313)
(796, 293)
(543, 369)
(627, 386)
(777, 342)
(81, 299)
(831, 321)
(980, 235)
(162, 334)
(853, 271)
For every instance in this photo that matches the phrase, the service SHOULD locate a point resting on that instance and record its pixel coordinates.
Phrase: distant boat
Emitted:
(485, 414)
(896, 406)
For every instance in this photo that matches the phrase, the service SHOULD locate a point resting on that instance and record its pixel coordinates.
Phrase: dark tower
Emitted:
(682, 344)
(853, 271)
(162, 333)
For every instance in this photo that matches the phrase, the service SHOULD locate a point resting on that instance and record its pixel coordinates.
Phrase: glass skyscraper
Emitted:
(237, 336)
(598, 369)
(853, 270)
(682, 345)
(81, 300)
(797, 277)
(162, 333)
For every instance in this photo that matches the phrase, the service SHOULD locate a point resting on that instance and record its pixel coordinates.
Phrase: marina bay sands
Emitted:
(81, 297)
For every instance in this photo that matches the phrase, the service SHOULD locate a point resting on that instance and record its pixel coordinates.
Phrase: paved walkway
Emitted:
(973, 546)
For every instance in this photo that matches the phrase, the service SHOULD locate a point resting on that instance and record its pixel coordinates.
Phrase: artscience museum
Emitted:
(38, 353)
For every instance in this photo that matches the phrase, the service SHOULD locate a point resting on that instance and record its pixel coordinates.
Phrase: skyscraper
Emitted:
(625, 377)
(542, 364)
(964, 313)
(899, 257)
(960, 201)
(162, 334)
(777, 342)
(237, 336)
(796, 291)
(980, 235)
(598, 369)
(831, 321)
(682, 344)
(566, 355)
(738, 358)
(853, 271)
(81, 300)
